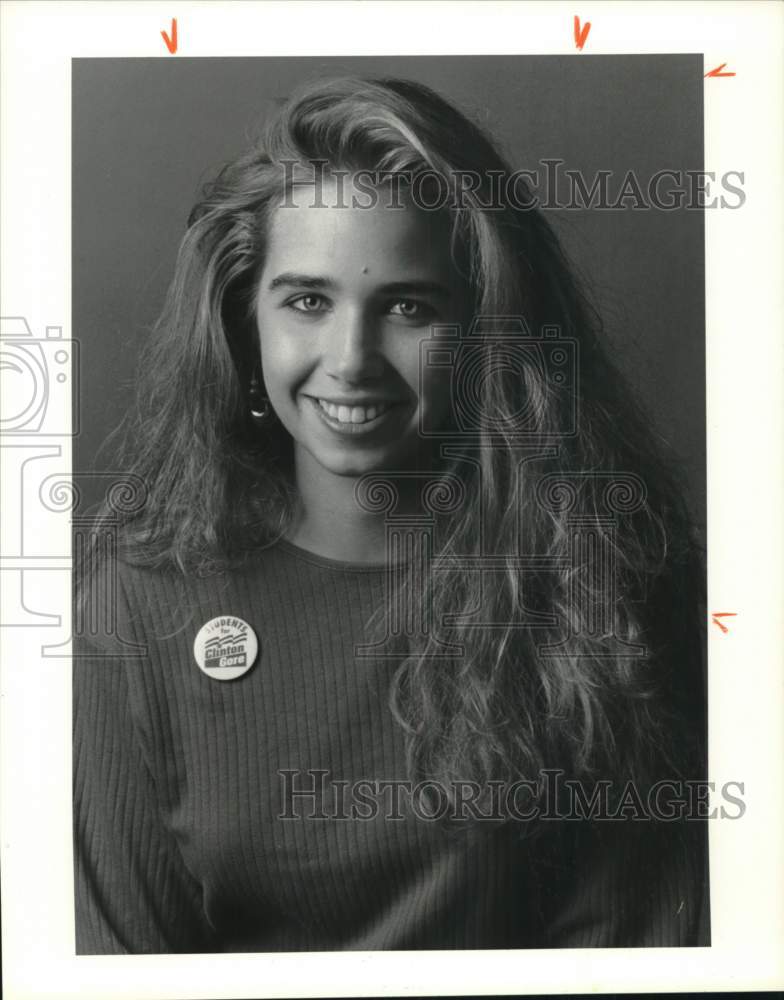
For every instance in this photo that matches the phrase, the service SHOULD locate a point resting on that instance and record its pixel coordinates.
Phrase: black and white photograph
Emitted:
(394, 637)
(391, 515)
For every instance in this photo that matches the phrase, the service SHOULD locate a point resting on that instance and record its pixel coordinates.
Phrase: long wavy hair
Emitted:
(541, 688)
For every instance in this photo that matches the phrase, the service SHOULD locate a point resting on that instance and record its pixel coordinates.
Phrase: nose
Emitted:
(351, 350)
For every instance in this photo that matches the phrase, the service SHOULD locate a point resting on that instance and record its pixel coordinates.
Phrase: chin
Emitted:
(354, 468)
(362, 465)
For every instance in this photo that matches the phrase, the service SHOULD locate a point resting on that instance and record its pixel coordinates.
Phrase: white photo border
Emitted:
(745, 419)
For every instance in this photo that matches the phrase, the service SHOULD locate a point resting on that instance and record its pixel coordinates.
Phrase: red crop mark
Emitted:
(723, 614)
(718, 71)
(580, 34)
(171, 43)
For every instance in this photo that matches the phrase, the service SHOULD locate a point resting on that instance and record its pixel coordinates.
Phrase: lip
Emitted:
(357, 400)
(355, 430)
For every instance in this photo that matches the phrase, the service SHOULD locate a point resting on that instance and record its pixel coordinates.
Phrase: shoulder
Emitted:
(118, 604)
(116, 597)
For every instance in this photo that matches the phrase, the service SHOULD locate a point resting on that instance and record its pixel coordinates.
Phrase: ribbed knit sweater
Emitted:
(187, 838)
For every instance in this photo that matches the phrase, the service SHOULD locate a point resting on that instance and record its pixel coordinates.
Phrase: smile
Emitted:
(353, 419)
(353, 414)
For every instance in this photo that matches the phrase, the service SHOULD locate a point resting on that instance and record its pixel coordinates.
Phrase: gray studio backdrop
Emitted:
(147, 133)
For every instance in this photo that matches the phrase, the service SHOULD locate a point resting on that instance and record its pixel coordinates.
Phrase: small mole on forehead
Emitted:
(364, 270)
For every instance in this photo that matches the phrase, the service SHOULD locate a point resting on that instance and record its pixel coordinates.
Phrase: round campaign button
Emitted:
(226, 648)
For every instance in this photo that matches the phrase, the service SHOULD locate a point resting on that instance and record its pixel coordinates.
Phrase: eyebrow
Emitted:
(291, 279)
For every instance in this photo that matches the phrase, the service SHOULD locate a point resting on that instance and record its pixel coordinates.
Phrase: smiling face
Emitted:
(345, 297)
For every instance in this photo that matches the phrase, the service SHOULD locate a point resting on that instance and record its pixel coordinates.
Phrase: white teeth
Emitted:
(353, 414)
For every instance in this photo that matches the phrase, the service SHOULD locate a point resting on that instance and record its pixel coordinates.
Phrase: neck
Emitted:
(330, 522)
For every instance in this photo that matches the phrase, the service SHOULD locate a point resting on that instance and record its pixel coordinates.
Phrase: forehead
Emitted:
(338, 234)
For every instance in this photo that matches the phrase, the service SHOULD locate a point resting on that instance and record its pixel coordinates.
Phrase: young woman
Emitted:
(402, 649)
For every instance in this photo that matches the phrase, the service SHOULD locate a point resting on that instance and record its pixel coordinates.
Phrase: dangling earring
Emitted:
(260, 407)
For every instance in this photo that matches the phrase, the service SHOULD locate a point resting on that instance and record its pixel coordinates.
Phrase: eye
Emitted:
(309, 303)
(411, 310)
(407, 308)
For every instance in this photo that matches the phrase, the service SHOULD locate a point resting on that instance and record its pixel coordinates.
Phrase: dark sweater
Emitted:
(182, 840)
